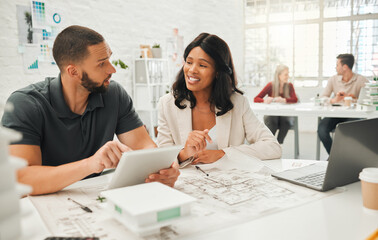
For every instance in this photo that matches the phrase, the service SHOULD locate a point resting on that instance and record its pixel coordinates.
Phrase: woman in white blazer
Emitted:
(207, 113)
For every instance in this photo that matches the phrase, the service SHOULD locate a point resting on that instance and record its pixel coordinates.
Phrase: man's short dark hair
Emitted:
(347, 59)
(71, 44)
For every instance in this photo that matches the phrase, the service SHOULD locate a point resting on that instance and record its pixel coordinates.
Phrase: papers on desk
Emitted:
(229, 195)
(297, 163)
(65, 218)
(234, 195)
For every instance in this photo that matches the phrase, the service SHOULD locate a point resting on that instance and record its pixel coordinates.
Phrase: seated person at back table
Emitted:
(345, 83)
(68, 122)
(280, 91)
(207, 113)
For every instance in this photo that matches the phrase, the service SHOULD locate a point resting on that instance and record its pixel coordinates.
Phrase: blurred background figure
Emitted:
(345, 83)
(279, 91)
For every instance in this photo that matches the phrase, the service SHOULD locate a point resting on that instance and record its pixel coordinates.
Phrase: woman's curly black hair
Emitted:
(224, 84)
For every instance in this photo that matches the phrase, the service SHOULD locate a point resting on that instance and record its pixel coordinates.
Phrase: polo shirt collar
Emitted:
(95, 100)
(60, 106)
(353, 79)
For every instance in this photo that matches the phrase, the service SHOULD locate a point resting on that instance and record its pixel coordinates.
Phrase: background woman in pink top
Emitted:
(280, 91)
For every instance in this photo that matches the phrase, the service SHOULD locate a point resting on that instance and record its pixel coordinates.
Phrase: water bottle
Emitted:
(317, 100)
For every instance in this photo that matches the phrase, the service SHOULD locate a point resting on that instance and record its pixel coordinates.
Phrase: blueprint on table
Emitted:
(227, 196)
(232, 196)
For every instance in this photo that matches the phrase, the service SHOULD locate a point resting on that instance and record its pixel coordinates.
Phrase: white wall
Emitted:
(125, 24)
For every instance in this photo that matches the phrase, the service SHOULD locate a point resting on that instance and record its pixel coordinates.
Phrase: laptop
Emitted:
(135, 166)
(355, 146)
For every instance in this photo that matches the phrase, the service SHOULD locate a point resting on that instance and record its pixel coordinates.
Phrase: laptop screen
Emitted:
(355, 146)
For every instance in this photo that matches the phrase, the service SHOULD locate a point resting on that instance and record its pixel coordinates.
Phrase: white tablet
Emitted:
(135, 166)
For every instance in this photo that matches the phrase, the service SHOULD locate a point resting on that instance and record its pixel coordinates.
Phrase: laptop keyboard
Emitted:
(315, 179)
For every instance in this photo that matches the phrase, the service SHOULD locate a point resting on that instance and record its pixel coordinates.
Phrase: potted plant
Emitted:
(120, 63)
(28, 19)
(156, 50)
(122, 75)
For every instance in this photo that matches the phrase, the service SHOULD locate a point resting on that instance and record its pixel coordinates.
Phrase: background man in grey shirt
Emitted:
(68, 123)
(345, 83)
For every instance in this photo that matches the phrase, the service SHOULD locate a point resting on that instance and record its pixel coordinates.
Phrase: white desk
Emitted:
(339, 216)
(308, 109)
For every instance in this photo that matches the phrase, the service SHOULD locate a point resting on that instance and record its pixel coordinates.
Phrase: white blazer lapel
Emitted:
(184, 120)
(223, 129)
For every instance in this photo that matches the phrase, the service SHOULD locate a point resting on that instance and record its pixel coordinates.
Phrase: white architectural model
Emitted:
(10, 190)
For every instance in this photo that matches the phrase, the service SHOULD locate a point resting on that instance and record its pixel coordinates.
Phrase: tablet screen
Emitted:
(135, 166)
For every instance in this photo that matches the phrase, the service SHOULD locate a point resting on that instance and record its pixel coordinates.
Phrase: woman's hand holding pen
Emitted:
(196, 142)
(208, 156)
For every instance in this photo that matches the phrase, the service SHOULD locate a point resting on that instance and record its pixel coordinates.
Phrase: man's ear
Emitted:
(72, 71)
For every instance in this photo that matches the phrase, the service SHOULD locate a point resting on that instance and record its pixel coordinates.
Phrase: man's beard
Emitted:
(91, 86)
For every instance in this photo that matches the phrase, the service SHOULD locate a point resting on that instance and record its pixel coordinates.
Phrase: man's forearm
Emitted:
(48, 179)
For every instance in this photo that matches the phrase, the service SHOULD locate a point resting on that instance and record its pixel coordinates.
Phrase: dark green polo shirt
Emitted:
(43, 117)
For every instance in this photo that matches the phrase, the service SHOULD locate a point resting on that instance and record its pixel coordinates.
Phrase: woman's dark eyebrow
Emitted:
(205, 60)
(202, 59)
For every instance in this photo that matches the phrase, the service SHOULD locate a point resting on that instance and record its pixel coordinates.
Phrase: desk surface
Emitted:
(339, 216)
(308, 109)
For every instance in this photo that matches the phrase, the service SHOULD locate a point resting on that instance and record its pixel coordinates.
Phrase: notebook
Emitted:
(355, 146)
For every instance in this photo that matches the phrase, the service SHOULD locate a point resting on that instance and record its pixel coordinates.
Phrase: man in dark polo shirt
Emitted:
(68, 123)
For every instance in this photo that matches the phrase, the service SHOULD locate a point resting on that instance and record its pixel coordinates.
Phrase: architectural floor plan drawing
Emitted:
(230, 194)
(232, 186)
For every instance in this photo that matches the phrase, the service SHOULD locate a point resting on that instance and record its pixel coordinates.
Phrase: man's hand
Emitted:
(166, 176)
(208, 156)
(339, 97)
(268, 100)
(352, 95)
(107, 156)
(196, 142)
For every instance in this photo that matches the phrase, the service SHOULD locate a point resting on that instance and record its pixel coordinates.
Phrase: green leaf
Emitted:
(121, 64)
